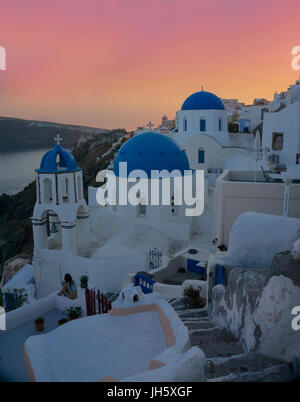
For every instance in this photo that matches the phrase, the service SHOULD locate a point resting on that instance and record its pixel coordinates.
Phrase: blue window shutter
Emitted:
(201, 156)
(220, 124)
(202, 125)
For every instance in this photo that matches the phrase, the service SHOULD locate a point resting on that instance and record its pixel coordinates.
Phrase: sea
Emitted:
(17, 169)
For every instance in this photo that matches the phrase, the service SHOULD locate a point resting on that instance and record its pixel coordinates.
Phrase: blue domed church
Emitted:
(143, 154)
(202, 126)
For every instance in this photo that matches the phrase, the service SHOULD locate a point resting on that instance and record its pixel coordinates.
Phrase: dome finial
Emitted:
(58, 139)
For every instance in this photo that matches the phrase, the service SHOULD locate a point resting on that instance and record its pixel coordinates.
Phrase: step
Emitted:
(199, 325)
(248, 367)
(216, 342)
(192, 313)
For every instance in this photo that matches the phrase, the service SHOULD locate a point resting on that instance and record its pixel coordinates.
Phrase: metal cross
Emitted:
(58, 139)
(150, 125)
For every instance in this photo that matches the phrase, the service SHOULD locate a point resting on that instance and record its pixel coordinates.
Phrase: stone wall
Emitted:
(256, 306)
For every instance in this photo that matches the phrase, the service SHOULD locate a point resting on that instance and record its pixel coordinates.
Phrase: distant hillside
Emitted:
(19, 134)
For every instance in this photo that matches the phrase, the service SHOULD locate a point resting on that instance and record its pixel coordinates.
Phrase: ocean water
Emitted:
(17, 169)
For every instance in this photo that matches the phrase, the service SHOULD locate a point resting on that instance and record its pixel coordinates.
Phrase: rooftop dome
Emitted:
(66, 161)
(151, 151)
(203, 101)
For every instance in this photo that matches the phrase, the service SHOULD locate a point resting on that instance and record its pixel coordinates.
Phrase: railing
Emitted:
(144, 282)
(155, 257)
(96, 302)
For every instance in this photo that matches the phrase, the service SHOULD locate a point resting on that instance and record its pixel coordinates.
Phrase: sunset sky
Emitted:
(120, 63)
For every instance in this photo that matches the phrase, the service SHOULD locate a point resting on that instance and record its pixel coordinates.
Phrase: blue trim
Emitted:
(220, 278)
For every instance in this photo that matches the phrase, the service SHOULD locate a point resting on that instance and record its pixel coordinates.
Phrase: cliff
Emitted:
(19, 134)
(92, 153)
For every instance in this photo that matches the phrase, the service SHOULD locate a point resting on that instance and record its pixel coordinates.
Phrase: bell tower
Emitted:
(60, 216)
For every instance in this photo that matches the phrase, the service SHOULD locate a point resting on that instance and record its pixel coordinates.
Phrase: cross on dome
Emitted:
(58, 139)
(150, 125)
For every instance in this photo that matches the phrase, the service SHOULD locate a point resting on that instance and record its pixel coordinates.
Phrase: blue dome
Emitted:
(151, 151)
(66, 161)
(203, 101)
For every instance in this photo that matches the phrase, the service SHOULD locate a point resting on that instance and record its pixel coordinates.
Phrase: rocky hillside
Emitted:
(19, 134)
(92, 153)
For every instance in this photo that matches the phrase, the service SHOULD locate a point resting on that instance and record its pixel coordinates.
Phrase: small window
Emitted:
(141, 210)
(184, 124)
(173, 209)
(201, 156)
(47, 190)
(277, 141)
(220, 124)
(65, 190)
(202, 125)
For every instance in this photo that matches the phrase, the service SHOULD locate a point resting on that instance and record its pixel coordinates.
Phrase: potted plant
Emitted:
(193, 297)
(39, 324)
(62, 321)
(73, 313)
(84, 281)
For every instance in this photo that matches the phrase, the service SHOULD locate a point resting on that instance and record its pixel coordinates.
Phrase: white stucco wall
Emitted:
(255, 238)
(237, 192)
(105, 274)
(286, 121)
(193, 121)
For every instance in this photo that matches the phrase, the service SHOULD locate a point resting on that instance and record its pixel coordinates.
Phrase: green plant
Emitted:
(193, 297)
(84, 278)
(19, 295)
(73, 312)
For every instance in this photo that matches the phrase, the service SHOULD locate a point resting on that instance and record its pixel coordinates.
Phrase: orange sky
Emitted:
(119, 63)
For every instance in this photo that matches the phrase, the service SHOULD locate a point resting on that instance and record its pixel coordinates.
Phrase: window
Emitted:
(47, 190)
(277, 141)
(141, 210)
(201, 156)
(220, 124)
(173, 209)
(65, 190)
(184, 124)
(79, 189)
(202, 125)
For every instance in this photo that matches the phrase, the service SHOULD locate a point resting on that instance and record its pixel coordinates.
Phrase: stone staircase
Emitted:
(226, 359)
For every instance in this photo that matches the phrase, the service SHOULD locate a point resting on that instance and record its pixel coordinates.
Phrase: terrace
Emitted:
(12, 364)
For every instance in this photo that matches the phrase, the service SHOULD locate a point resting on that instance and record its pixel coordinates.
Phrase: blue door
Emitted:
(192, 266)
